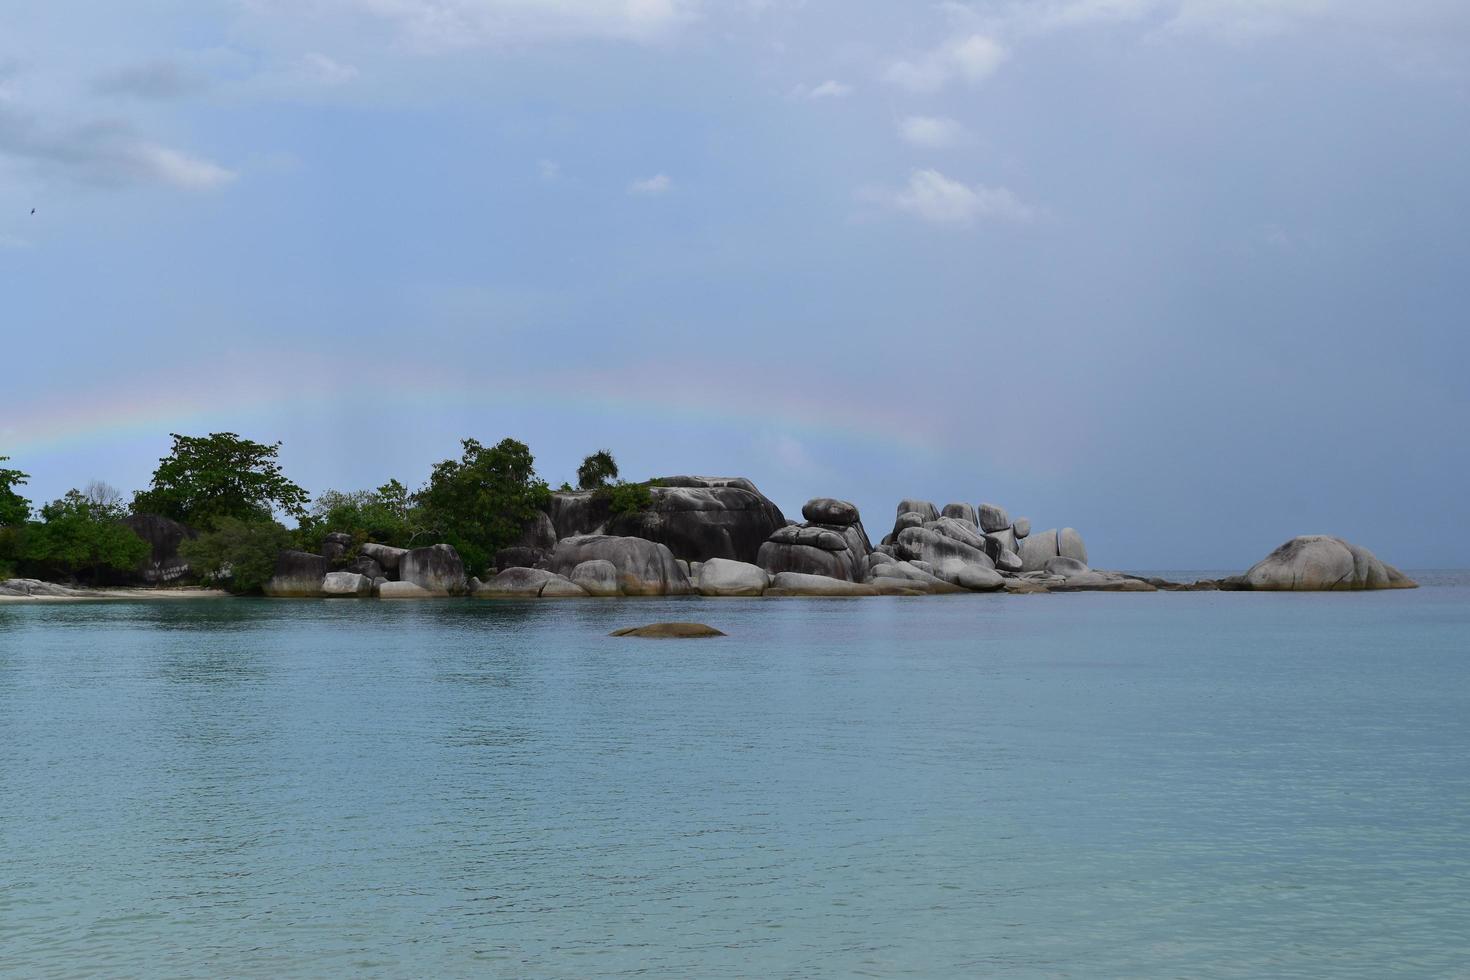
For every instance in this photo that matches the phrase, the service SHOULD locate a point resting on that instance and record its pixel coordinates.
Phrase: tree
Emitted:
(207, 479)
(483, 501)
(14, 509)
(77, 534)
(596, 470)
(386, 515)
(240, 555)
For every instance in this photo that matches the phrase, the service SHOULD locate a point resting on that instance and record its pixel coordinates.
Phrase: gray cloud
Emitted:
(106, 152)
(156, 80)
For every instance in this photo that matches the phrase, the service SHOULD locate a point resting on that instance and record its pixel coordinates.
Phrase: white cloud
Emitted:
(933, 197)
(931, 132)
(105, 152)
(439, 24)
(657, 184)
(319, 68)
(972, 59)
(830, 89)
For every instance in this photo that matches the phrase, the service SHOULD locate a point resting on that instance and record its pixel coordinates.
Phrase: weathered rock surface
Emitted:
(164, 535)
(558, 587)
(518, 556)
(1038, 549)
(827, 510)
(1009, 562)
(923, 508)
(515, 583)
(977, 578)
(668, 631)
(643, 567)
(1321, 563)
(387, 557)
(1069, 544)
(798, 584)
(346, 585)
(837, 551)
(962, 512)
(913, 576)
(31, 587)
(597, 577)
(436, 569)
(961, 531)
(1065, 566)
(1022, 527)
(696, 517)
(402, 590)
(993, 517)
(363, 565)
(723, 577)
(336, 545)
(297, 575)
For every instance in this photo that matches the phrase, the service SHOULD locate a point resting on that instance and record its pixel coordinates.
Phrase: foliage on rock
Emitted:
(388, 515)
(206, 479)
(14, 509)
(238, 555)
(483, 501)
(597, 470)
(79, 535)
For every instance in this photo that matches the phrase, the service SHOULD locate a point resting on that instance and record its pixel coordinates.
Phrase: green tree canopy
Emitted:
(14, 509)
(483, 501)
(80, 534)
(597, 470)
(237, 554)
(387, 515)
(208, 478)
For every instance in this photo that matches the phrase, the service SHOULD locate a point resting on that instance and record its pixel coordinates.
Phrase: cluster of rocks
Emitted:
(720, 536)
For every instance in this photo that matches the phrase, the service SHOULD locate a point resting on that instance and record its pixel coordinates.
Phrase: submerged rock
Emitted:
(668, 631)
(1320, 563)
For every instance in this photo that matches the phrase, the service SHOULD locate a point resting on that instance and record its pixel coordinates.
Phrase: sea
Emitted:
(1212, 785)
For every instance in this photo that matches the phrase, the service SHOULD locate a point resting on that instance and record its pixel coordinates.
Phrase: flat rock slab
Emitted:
(668, 631)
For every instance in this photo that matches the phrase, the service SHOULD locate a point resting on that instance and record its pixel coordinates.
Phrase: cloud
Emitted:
(657, 184)
(443, 24)
(830, 89)
(931, 196)
(931, 132)
(548, 170)
(322, 70)
(107, 153)
(156, 80)
(972, 59)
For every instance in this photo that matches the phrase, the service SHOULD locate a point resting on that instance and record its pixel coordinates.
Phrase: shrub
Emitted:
(238, 555)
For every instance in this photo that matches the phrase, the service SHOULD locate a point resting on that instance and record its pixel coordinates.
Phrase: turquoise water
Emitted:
(1201, 785)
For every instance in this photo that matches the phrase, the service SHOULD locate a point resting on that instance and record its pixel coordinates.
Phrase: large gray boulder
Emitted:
(298, 574)
(960, 512)
(695, 517)
(336, 545)
(977, 578)
(597, 577)
(387, 557)
(833, 550)
(827, 510)
(436, 569)
(993, 517)
(961, 531)
(923, 508)
(35, 588)
(563, 588)
(403, 590)
(935, 549)
(346, 585)
(1038, 549)
(643, 567)
(514, 583)
(908, 575)
(723, 577)
(1069, 545)
(1022, 527)
(363, 565)
(164, 535)
(1320, 563)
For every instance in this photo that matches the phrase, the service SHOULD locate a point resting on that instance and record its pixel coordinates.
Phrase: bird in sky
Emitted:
(33, 210)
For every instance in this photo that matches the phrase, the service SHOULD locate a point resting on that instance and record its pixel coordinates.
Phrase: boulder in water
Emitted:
(436, 569)
(668, 631)
(298, 574)
(723, 577)
(1320, 563)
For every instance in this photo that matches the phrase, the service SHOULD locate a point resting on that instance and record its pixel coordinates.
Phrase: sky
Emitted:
(1191, 276)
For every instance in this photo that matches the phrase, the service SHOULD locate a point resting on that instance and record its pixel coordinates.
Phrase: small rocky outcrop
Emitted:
(993, 517)
(435, 569)
(836, 548)
(1320, 563)
(164, 535)
(643, 567)
(515, 583)
(668, 631)
(798, 584)
(961, 512)
(723, 577)
(34, 588)
(298, 574)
